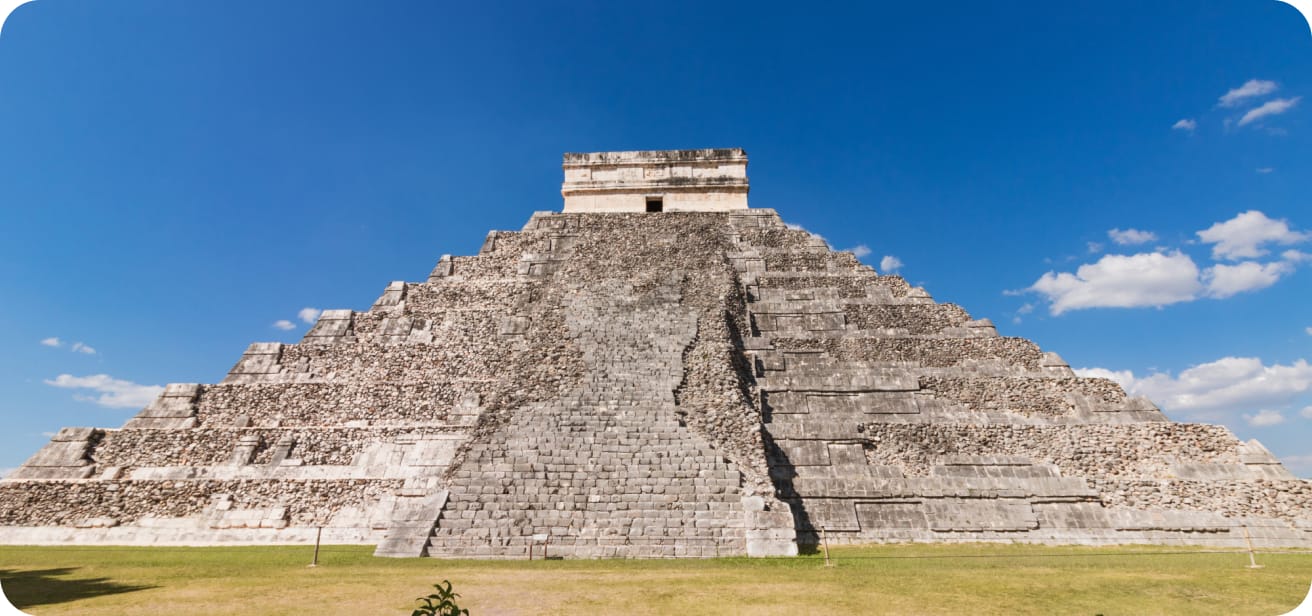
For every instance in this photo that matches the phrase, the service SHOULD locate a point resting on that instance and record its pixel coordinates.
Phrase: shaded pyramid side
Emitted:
(891, 417)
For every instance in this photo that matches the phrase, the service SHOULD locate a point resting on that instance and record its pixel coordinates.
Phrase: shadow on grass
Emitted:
(49, 586)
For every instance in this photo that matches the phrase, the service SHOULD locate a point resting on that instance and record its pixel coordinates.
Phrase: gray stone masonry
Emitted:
(893, 418)
(675, 384)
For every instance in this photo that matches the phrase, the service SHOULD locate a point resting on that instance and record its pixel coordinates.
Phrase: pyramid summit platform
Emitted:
(656, 371)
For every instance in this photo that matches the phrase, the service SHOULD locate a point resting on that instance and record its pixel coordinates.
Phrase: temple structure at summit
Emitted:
(658, 370)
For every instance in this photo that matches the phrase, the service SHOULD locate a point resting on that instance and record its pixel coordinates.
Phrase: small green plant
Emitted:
(440, 603)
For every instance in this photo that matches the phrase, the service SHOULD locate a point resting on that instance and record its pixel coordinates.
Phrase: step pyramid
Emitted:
(656, 371)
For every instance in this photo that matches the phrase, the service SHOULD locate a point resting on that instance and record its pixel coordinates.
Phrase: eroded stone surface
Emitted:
(680, 384)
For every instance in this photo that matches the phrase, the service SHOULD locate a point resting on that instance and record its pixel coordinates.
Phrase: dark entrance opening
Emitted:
(654, 204)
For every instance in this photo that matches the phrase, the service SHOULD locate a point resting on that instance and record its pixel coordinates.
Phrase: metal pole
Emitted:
(824, 538)
(1252, 560)
(317, 535)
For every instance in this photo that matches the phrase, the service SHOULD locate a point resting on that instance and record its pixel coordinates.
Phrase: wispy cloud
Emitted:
(1306, 412)
(1264, 418)
(1301, 465)
(1296, 256)
(1219, 389)
(1243, 236)
(861, 251)
(111, 392)
(4, 472)
(284, 325)
(308, 315)
(1269, 108)
(1264, 170)
(1025, 309)
(1252, 88)
(1187, 124)
(890, 264)
(1131, 237)
(1094, 247)
(77, 347)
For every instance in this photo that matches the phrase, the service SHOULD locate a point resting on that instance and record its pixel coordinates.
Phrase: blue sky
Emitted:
(1124, 183)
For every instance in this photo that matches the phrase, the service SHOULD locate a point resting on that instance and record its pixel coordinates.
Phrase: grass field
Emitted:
(905, 579)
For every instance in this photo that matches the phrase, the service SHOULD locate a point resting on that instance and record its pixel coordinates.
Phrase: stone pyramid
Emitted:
(656, 371)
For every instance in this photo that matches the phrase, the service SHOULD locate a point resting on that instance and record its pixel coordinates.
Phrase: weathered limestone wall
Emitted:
(1093, 451)
(890, 417)
(1022, 395)
(652, 385)
(117, 503)
(333, 404)
(683, 180)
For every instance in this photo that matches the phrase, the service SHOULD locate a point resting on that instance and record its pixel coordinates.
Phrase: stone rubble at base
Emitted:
(682, 384)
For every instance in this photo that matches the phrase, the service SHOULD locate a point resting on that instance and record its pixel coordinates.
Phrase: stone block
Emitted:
(62, 453)
(393, 296)
(884, 516)
(513, 326)
(69, 435)
(832, 515)
(443, 269)
(847, 454)
(803, 453)
(1071, 516)
(980, 515)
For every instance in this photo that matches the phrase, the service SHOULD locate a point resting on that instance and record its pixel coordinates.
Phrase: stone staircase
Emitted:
(607, 471)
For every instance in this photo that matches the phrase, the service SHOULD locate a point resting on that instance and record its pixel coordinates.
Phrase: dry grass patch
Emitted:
(898, 579)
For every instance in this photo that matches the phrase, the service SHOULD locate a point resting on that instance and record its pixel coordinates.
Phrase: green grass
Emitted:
(898, 579)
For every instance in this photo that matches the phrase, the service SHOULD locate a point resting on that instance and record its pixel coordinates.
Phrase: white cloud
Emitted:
(4, 472)
(1264, 418)
(1300, 465)
(1094, 247)
(1309, 331)
(53, 342)
(1250, 89)
(1306, 412)
(78, 347)
(1216, 389)
(1264, 170)
(797, 227)
(1120, 281)
(309, 315)
(1226, 280)
(114, 393)
(890, 264)
(1131, 237)
(284, 325)
(1242, 237)
(861, 251)
(1124, 378)
(1025, 309)
(1295, 256)
(1186, 124)
(1269, 108)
